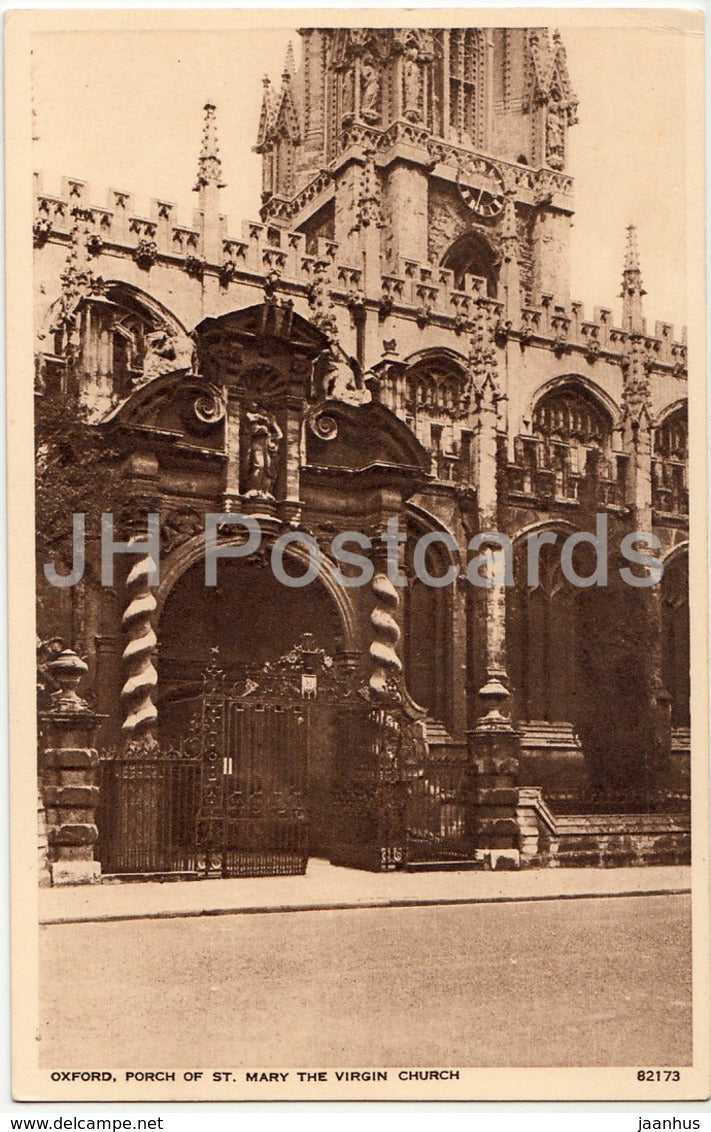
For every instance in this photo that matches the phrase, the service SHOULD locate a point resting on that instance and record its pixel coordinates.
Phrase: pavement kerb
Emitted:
(341, 906)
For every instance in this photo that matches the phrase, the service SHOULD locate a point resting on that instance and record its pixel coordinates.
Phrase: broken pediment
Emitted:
(177, 406)
(359, 437)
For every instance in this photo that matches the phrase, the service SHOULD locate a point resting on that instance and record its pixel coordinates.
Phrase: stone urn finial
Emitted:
(493, 697)
(67, 670)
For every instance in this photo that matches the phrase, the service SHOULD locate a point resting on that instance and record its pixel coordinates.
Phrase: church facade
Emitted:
(393, 345)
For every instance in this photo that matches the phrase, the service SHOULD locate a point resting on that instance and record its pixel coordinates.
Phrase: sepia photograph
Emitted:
(357, 407)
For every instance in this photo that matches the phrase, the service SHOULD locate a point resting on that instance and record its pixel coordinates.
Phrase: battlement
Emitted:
(270, 253)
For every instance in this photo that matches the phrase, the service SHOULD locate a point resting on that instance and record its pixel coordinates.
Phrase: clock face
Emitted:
(481, 186)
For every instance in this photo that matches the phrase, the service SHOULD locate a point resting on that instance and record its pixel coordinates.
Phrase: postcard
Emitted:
(357, 415)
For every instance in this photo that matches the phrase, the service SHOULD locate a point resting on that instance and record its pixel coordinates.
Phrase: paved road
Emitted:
(575, 982)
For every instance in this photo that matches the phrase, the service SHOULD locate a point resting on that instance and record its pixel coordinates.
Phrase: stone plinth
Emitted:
(493, 784)
(70, 777)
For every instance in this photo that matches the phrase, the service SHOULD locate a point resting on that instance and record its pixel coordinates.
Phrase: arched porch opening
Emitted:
(250, 619)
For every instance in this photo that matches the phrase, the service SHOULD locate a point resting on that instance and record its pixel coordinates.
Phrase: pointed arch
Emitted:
(473, 254)
(670, 459)
(542, 630)
(577, 382)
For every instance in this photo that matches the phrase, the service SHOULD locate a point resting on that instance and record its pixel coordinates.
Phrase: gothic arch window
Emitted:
(675, 637)
(571, 425)
(143, 339)
(126, 338)
(669, 471)
(435, 403)
(472, 254)
(436, 388)
(427, 633)
(542, 635)
(571, 414)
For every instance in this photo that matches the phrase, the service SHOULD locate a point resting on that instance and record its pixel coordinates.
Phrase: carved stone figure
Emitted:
(263, 455)
(337, 379)
(165, 351)
(369, 89)
(178, 525)
(160, 352)
(555, 136)
(411, 83)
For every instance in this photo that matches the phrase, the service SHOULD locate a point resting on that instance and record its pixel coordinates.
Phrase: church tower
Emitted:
(454, 140)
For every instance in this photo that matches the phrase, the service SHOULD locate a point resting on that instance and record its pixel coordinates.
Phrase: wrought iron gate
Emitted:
(231, 798)
(291, 753)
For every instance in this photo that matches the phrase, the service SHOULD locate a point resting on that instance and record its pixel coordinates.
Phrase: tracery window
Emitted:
(467, 91)
(571, 416)
(570, 428)
(669, 468)
(671, 439)
(436, 390)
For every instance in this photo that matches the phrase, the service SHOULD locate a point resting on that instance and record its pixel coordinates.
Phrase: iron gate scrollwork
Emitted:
(232, 798)
(294, 756)
(252, 744)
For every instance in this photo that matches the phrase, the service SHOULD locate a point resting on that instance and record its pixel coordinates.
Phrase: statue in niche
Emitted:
(369, 89)
(411, 82)
(265, 438)
(348, 95)
(555, 136)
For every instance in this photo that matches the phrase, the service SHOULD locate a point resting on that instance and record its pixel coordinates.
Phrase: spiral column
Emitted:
(386, 635)
(141, 678)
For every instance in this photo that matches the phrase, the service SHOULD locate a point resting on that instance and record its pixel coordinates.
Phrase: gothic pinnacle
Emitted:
(289, 64)
(209, 163)
(632, 275)
(632, 289)
(482, 350)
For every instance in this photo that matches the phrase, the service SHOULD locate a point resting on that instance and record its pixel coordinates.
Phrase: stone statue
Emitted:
(263, 453)
(340, 380)
(165, 351)
(160, 352)
(369, 89)
(411, 82)
(555, 137)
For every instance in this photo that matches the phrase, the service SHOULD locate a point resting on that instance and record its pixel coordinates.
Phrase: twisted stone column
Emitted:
(370, 798)
(140, 712)
(386, 635)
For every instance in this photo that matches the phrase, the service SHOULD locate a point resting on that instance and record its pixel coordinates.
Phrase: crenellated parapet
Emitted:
(421, 292)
